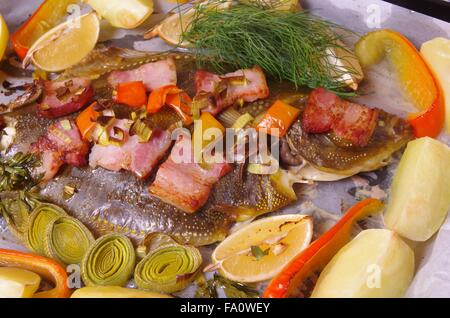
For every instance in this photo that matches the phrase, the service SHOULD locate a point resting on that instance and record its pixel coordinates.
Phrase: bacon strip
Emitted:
(64, 98)
(62, 144)
(153, 75)
(255, 87)
(182, 182)
(139, 158)
(326, 112)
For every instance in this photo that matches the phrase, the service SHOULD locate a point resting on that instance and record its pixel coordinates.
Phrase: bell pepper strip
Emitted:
(86, 121)
(47, 268)
(207, 121)
(314, 258)
(413, 73)
(48, 15)
(132, 94)
(172, 96)
(181, 102)
(278, 119)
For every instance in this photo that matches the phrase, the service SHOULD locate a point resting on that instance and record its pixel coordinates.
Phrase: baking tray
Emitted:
(432, 257)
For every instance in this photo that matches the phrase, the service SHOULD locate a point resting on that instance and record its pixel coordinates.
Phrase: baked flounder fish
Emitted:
(108, 201)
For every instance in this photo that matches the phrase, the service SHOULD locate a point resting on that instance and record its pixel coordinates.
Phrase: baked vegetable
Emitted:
(44, 267)
(420, 194)
(413, 73)
(291, 281)
(109, 262)
(376, 263)
(114, 292)
(18, 283)
(168, 267)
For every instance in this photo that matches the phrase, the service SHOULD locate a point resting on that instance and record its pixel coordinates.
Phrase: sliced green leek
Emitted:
(242, 121)
(169, 267)
(39, 220)
(229, 117)
(67, 240)
(109, 261)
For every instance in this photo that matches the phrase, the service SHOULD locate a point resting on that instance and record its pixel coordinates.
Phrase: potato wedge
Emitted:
(114, 292)
(18, 283)
(376, 263)
(420, 194)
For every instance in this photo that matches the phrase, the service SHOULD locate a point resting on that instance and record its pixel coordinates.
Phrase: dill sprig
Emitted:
(294, 46)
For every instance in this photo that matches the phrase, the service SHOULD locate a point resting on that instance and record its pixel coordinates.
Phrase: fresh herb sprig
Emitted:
(16, 172)
(208, 288)
(294, 46)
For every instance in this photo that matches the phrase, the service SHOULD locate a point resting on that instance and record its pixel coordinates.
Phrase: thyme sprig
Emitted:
(16, 172)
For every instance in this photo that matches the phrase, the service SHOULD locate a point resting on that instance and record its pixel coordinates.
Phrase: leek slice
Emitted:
(109, 261)
(169, 267)
(39, 220)
(67, 240)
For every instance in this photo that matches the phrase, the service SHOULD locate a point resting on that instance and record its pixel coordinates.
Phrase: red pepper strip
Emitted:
(86, 121)
(181, 102)
(172, 96)
(132, 94)
(44, 267)
(430, 122)
(48, 15)
(413, 73)
(314, 258)
(278, 119)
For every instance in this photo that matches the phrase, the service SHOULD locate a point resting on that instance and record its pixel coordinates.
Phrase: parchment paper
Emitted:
(433, 257)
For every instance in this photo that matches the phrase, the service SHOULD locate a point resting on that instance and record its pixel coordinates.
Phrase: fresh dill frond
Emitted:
(294, 46)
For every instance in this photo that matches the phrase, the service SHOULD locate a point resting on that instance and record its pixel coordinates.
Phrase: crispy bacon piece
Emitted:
(327, 112)
(253, 88)
(62, 144)
(182, 182)
(153, 75)
(139, 158)
(64, 98)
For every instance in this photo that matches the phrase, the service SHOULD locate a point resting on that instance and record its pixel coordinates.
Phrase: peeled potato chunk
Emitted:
(18, 283)
(420, 194)
(114, 292)
(375, 264)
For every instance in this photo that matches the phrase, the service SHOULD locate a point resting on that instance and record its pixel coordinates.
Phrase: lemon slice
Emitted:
(258, 251)
(66, 44)
(172, 28)
(3, 36)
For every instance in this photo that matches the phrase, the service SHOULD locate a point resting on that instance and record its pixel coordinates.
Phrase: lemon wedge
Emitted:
(172, 28)
(66, 44)
(126, 14)
(258, 251)
(18, 283)
(3, 36)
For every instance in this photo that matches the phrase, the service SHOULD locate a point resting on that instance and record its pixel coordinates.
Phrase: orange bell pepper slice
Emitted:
(48, 15)
(47, 268)
(414, 75)
(314, 258)
(132, 94)
(86, 121)
(278, 119)
(172, 96)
